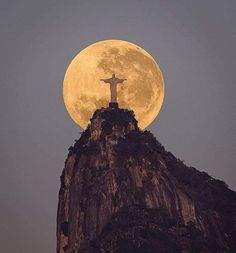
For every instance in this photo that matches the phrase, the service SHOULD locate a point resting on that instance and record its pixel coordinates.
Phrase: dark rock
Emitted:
(121, 191)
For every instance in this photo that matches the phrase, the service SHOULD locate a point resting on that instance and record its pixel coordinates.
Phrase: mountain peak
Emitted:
(112, 121)
(121, 191)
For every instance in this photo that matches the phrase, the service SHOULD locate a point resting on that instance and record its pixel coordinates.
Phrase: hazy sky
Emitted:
(194, 43)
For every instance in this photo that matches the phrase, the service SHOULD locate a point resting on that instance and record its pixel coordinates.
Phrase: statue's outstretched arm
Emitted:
(105, 80)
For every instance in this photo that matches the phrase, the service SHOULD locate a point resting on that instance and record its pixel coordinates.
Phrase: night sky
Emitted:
(194, 42)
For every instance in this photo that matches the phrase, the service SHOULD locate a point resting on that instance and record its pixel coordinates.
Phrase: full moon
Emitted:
(142, 92)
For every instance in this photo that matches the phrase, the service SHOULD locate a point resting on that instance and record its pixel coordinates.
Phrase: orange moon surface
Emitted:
(143, 92)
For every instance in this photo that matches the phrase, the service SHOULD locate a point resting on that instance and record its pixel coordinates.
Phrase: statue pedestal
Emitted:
(113, 105)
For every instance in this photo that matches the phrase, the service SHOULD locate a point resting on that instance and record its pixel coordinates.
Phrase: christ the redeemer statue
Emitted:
(113, 81)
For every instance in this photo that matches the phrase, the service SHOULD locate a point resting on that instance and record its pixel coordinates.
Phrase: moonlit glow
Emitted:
(143, 92)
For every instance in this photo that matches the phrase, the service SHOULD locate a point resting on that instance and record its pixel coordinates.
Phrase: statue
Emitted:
(113, 81)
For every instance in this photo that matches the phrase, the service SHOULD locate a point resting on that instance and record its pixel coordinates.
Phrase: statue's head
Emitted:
(113, 75)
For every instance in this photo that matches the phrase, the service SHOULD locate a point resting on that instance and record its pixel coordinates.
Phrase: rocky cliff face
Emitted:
(121, 191)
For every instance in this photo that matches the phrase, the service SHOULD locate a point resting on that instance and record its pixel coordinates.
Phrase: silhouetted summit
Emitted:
(122, 192)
